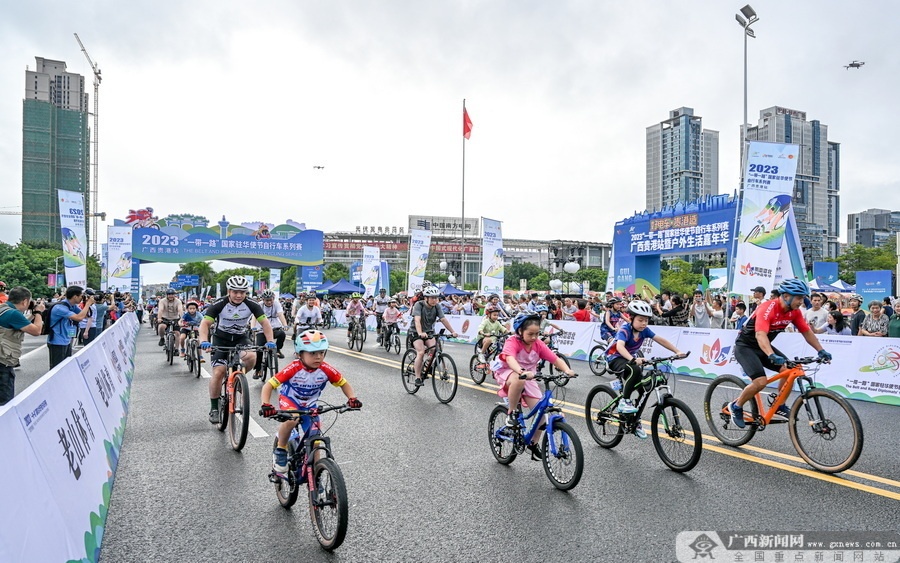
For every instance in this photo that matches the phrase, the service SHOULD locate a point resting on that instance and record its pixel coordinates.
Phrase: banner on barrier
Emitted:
(874, 285)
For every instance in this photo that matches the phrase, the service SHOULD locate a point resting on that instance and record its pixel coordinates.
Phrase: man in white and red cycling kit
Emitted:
(753, 348)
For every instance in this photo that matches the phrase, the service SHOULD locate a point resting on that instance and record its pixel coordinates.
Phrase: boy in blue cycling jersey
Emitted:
(190, 320)
(622, 357)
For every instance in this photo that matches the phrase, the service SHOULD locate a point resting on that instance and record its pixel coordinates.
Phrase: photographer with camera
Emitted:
(19, 316)
(62, 316)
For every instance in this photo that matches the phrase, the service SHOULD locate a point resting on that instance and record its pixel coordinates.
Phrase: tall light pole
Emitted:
(751, 18)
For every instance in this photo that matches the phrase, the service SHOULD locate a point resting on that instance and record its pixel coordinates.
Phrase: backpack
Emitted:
(45, 315)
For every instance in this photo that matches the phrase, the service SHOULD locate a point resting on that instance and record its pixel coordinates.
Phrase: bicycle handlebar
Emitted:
(660, 360)
(542, 377)
(807, 360)
(239, 348)
(290, 414)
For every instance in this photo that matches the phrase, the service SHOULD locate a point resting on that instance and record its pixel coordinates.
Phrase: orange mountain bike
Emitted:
(824, 428)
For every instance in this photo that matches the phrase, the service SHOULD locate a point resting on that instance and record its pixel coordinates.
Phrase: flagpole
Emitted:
(462, 273)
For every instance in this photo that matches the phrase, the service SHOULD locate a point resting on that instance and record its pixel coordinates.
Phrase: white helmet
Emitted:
(238, 283)
(638, 307)
(431, 291)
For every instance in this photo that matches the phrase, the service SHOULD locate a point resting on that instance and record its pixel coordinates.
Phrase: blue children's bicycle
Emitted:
(560, 448)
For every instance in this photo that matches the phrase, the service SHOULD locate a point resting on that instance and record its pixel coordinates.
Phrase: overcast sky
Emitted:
(224, 107)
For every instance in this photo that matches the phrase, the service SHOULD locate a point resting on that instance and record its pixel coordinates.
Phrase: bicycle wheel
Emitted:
(602, 419)
(351, 339)
(189, 357)
(444, 378)
(273, 362)
(170, 348)
(328, 510)
(363, 331)
(478, 370)
(597, 360)
(563, 468)
(286, 488)
(723, 391)
(240, 415)
(830, 436)
(360, 338)
(408, 371)
(395, 342)
(561, 382)
(676, 435)
(197, 356)
(223, 405)
(502, 445)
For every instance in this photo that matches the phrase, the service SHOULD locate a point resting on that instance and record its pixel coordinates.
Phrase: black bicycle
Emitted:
(311, 462)
(437, 365)
(554, 347)
(597, 357)
(169, 342)
(192, 352)
(674, 428)
(390, 337)
(356, 333)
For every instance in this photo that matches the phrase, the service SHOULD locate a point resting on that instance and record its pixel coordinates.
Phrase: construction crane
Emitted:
(94, 163)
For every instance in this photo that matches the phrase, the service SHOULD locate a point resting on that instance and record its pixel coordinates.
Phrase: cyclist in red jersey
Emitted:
(753, 348)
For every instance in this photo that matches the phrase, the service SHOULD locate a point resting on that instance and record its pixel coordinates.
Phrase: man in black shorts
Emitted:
(232, 317)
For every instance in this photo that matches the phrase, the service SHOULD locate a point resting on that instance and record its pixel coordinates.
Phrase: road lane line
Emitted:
(256, 430)
(38, 349)
(492, 389)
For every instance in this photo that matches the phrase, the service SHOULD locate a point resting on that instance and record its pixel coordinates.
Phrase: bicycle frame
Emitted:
(789, 375)
(542, 408)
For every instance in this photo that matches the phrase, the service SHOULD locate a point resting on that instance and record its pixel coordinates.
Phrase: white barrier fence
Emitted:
(864, 368)
(61, 440)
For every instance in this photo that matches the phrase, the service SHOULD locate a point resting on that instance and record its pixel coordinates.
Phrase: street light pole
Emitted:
(751, 18)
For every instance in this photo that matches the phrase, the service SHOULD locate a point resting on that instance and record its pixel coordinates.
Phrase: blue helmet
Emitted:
(794, 286)
(541, 309)
(522, 317)
(311, 341)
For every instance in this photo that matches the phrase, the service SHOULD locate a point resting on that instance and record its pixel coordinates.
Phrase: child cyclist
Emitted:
(189, 321)
(543, 311)
(621, 354)
(299, 385)
(489, 330)
(519, 357)
(390, 318)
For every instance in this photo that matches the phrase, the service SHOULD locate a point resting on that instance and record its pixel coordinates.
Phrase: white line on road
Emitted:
(38, 349)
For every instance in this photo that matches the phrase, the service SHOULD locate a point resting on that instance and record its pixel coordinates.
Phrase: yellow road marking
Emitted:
(492, 389)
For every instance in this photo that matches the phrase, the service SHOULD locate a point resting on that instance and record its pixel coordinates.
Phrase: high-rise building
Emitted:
(817, 184)
(872, 227)
(55, 147)
(682, 160)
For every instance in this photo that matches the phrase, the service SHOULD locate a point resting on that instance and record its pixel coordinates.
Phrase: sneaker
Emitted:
(536, 453)
(161, 341)
(737, 414)
(214, 416)
(639, 431)
(481, 358)
(280, 355)
(782, 413)
(418, 382)
(626, 407)
(202, 361)
(280, 460)
(512, 419)
(257, 375)
(183, 354)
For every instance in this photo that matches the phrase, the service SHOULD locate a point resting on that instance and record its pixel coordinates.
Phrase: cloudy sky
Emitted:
(224, 107)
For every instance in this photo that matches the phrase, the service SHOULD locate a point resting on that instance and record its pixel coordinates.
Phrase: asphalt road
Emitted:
(423, 485)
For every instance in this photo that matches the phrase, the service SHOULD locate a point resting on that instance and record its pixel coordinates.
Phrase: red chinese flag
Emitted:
(467, 124)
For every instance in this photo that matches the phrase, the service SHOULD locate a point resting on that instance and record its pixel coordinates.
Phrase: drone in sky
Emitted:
(317, 167)
(855, 64)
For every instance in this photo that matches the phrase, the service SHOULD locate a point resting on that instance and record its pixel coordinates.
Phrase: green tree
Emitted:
(679, 278)
(398, 281)
(288, 280)
(594, 276)
(222, 277)
(335, 271)
(540, 282)
(517, 271)
(858, 258)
